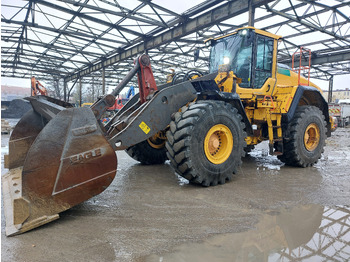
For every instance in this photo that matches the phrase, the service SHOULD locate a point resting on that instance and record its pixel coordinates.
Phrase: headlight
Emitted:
(226, 60)
(244, 32)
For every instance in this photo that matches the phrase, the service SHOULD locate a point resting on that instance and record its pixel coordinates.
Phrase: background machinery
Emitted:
(60, 156)
(341, 112)
(37, 88)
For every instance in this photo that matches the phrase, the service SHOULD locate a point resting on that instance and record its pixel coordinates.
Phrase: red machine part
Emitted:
(306, 53)
(118, 104)
(147, 84)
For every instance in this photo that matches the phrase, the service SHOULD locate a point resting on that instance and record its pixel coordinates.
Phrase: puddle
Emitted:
(266, 161)
(303, 233)
(263, 160)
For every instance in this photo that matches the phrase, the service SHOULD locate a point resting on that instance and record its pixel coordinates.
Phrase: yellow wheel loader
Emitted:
(60, 156)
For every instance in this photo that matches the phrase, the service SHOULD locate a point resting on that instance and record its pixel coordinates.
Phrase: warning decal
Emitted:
(334, 111)
(144, 127)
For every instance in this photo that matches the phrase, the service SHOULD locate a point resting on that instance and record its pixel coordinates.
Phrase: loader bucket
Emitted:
(54, 166)
(22, 137)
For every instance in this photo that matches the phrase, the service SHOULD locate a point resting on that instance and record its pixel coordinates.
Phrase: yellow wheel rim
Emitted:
(157, 141)
(218, 144)
(311, 137)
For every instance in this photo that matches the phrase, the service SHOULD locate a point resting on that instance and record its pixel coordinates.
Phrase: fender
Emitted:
(308, 95)
(207, 89)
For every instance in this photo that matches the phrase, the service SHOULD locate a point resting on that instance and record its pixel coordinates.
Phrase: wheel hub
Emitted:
(311, 137)
(214, 142)
(157, 141)
(218, 144)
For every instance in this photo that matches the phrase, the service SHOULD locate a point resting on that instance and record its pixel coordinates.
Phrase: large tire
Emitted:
(148, 153)
(206, 142)
(307, 137)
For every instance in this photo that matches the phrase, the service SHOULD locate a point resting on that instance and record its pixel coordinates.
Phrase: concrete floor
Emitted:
(269, 212)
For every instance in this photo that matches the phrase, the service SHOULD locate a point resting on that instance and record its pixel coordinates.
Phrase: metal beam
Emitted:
(103, 81)
(80, 90)
(87, 17)
(330, 90)
(46, 70)
(54, 47)
(323, 59)
(218, 14)
(307, 24)
(65, 91)
(76, 34)
(333, 8)
(251, 13)
(109, 11)
(9, 64)
(22, 36)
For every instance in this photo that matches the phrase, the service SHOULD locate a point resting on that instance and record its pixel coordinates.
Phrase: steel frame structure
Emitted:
(330, 241)
(95, 41)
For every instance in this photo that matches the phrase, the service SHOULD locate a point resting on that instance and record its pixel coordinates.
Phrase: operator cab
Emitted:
(248, 52)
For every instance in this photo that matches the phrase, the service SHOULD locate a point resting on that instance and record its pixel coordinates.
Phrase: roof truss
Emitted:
(70, 39)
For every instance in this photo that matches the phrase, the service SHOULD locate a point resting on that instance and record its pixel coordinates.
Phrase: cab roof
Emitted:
(258, 31)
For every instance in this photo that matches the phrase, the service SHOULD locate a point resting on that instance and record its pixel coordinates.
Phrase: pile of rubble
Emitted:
(16, 109)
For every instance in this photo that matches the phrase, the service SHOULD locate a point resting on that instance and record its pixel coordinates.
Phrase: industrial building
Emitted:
(337, 95)
(175, 131)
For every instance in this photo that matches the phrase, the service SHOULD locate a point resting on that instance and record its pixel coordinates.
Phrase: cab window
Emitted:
(238, 49)
(264, 52)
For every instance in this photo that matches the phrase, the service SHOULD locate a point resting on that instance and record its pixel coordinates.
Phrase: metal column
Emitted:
(330, 90)
(65, 91)
(80, 87)
(57, 89)
(103, 82)
(93, 89)
(251, 13)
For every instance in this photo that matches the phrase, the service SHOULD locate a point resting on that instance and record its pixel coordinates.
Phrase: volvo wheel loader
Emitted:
(60, 155)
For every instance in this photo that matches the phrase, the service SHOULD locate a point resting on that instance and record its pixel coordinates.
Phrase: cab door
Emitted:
(263, 61)
(260, 79)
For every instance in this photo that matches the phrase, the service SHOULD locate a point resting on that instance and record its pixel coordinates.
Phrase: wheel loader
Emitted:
(60, 156)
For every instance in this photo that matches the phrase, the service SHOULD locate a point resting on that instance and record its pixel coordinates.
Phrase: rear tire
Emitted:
(206, 142)
(148, 152)
(307, 137)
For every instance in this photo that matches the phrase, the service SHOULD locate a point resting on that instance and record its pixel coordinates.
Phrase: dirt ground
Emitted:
(269, 212)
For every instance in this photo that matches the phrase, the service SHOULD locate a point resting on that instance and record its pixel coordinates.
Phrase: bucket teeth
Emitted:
(17, 208)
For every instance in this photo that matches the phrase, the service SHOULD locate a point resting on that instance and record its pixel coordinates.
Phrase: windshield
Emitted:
(238, 49)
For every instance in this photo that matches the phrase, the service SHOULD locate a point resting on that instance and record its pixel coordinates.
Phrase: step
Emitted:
(277, 153)
(278, 140)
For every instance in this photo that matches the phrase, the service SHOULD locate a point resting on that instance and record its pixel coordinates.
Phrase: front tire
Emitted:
(149, 152)
(206, 142)
(307, 137)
